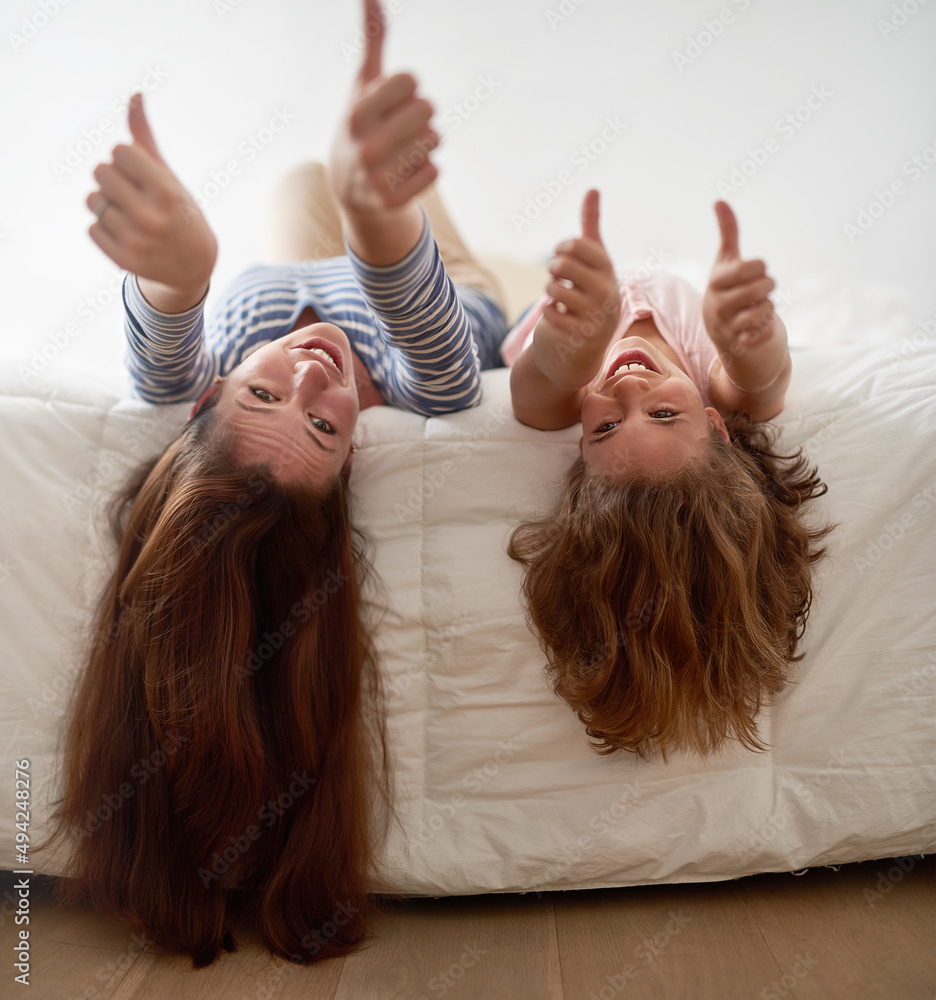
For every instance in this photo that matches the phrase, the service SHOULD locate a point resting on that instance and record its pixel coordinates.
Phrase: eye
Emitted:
(663, 414)
(263, 395)
(322, 425)
(604, 428)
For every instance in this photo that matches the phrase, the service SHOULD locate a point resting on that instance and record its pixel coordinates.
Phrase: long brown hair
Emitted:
(225, 744)
(669, 608)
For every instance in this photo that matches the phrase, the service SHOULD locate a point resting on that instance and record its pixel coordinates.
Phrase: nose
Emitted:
(628, 386)
(311, 377)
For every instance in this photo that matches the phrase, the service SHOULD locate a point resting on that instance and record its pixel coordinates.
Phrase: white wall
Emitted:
(218, 70)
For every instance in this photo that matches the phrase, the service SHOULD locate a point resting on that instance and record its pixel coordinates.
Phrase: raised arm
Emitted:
(549, 381)
(148, 224)
(752, 372)
(380, 156)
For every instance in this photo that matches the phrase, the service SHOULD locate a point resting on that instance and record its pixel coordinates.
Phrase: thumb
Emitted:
(590, 212)
(728, 225)
(374, 31)
(139, 126)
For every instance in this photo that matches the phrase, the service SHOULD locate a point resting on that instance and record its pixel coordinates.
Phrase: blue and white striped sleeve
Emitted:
(166, 354)
(434, 366)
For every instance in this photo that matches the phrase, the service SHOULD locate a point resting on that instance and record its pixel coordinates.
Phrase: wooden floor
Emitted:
(865, 931)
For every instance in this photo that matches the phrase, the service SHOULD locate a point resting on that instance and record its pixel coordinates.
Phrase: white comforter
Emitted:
(497, 788)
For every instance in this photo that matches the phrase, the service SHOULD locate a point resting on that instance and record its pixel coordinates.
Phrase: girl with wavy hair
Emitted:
(671, 585)
(224, 756)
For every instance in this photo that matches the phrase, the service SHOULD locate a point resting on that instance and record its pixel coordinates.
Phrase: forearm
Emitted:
(754, 368)
(430, 364)
(758, 379)
(383, 237)
(171, 300)
(537, 400)
(166, 356)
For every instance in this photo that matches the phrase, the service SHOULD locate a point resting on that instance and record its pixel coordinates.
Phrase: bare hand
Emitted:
(737, 312)
(578, 322)
(149, 224)
(380, 154)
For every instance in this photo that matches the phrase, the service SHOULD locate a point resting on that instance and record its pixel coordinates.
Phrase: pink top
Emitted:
(673, 304)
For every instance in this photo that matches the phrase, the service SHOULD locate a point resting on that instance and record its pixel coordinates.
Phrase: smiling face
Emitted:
(643, 414)
(293, 405)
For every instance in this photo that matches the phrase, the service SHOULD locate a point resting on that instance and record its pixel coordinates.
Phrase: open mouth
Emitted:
(628, 361)
(324, 350)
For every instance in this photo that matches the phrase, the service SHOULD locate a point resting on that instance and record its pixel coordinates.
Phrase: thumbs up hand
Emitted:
(380, 154)
(584, 308)
(148, 224)
(737, 312)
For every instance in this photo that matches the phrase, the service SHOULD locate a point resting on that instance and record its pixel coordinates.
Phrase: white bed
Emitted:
(497, 789)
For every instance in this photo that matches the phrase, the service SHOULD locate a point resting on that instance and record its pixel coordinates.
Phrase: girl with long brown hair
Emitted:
(671, 585)
(224, 756)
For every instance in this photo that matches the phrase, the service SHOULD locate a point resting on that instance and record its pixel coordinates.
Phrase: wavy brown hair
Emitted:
(225, 744)
(669, 608)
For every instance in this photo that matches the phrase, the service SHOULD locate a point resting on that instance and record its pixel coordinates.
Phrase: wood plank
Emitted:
(472, 947)
(866, 931)
(74, 952)
(665, 941)
(249, 973)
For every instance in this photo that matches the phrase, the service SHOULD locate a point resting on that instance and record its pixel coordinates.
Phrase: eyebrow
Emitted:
(308, 430)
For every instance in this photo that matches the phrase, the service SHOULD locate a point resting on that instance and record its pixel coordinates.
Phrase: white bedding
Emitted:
(497, 788)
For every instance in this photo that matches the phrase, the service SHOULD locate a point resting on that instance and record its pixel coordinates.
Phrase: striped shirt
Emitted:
(423, 341)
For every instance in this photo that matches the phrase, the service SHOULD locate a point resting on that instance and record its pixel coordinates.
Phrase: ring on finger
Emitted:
(102, 206)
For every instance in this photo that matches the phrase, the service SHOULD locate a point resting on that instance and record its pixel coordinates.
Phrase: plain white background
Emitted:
(658, 104)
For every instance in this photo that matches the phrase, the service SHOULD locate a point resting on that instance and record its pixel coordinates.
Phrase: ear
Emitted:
(718, 424)
(209, 393)
(581, 442)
